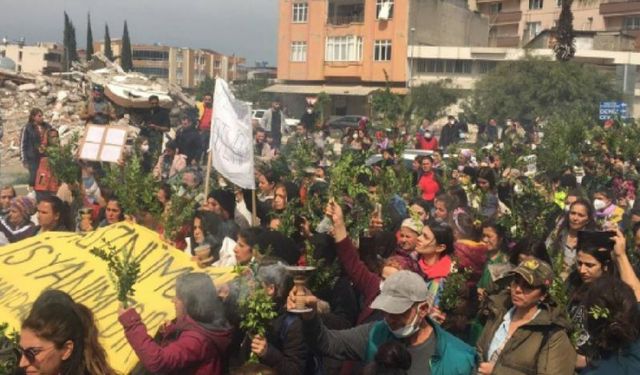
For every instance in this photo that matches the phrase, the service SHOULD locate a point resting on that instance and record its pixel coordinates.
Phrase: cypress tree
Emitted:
(89, 38)
(125, 57)
(565, 47)
(108, 52)
(65, 43)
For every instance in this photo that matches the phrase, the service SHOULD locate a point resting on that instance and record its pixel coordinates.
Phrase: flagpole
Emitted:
(254, 214)
(209, 157)
(208, 178)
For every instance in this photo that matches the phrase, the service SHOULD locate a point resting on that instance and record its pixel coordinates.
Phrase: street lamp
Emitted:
(411, 38)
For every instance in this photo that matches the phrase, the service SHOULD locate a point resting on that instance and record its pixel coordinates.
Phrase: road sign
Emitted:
(609, 110)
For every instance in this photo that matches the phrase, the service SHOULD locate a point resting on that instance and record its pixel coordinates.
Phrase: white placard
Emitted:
(115, 136)
(95, 134)
(110, 153)
(90, 151)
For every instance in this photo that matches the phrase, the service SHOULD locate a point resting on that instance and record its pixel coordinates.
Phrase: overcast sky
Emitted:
(247, 28)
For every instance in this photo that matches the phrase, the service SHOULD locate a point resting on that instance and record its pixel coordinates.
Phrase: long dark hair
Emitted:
(444, 236)
(95, 356)
(61, 208)
(620, 327)
(591, 224)
(59, 323)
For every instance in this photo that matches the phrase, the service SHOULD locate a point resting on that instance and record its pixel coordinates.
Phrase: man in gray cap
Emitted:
(403, 302)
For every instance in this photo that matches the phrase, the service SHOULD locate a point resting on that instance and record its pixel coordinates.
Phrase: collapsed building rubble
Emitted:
(63, 97)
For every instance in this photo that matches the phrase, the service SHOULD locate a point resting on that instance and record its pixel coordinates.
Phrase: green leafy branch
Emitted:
(454, 283)
(9, 342)
(325, 275)
(257, 310)
(62, 161)
(123, 268)
(181, 208)
(135, 189)
(599, 312)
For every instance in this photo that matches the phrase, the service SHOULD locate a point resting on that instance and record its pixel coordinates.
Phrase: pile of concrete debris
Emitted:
(63, 97)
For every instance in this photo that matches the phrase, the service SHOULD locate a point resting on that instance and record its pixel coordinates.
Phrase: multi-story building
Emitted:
(186, 67)
(349, 48)
(622, 15)
(42, 58)
(513, 23)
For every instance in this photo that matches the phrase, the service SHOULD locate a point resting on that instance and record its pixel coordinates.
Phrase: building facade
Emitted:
(350, 48)
(42, 58)
(513, 23)
(186, 67)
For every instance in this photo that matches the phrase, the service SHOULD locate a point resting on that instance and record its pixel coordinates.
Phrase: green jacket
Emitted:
(539, 347)
(451, 357)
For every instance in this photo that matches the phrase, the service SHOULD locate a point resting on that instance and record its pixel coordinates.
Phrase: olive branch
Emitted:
(123, 268)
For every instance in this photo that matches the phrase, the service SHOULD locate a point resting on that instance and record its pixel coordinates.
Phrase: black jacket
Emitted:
(30, 142)
(448, 135)
(189, 143)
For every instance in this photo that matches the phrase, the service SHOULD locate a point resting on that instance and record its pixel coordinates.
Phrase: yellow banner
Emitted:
(58, 260)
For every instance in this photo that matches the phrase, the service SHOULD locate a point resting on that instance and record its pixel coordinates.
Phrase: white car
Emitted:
(257, 114)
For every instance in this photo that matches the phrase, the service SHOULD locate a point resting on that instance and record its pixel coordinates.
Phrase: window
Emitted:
(533, 29)
(632, 23)
(486, 66)
(343, 48)
(495, 8)
(299, 51)
(382, 50)
(20, 56)
(444, 66)
(159, 72)
(150, 55)
(535, 4)
(300, 12)
(384, 9)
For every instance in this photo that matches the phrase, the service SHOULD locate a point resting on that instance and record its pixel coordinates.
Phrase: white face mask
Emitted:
(408, 330)
(309, 111)
(599, 204)
(144, 148)
(427, 135)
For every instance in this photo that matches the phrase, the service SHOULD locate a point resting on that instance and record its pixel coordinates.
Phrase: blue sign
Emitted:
(609, 110)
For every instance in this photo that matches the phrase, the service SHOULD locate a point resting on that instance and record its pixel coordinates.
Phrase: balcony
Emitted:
(504, 41)
(487, 1)
(345, 12)
(505, 18)
(615, 8)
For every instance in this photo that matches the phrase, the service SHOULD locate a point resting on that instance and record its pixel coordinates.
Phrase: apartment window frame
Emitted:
(495, 8)
(536, 4)
(379, 4)
(445, 66)
(298, 51)
(299, 12)
(149, 55)
(382, 50)
(538, 29)
(347, 48)
(631, 23)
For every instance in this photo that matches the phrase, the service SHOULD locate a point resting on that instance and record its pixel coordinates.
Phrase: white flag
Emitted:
(231, 141)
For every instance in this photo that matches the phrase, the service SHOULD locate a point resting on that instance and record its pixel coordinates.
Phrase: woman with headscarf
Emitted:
(196, 342)
(17, 225)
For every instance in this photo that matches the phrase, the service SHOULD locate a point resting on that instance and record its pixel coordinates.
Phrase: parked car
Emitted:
(257, 114)
(343, 123)
(407, 157)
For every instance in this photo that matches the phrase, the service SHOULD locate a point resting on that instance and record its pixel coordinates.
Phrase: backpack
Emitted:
(313, 365)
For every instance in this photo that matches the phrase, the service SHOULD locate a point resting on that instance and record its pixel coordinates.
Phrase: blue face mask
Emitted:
(88, 182)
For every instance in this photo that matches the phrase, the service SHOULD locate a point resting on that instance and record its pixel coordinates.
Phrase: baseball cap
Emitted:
(400, 291)
(535, 272)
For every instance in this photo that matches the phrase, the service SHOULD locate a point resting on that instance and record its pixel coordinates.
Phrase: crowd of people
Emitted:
(436, 281)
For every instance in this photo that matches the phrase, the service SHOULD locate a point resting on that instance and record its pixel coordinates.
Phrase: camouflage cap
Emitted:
(535, 272)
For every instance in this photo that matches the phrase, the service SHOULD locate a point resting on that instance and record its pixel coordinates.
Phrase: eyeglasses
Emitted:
(31, 353)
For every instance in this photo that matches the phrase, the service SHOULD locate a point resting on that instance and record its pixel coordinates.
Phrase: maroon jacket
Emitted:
(196, 350)
(364, 281)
